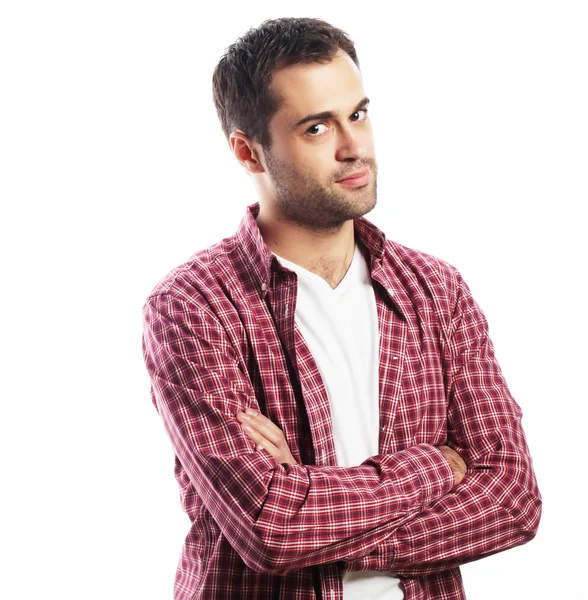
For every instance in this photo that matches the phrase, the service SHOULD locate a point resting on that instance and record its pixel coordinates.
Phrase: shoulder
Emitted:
(420, 271)
(434, 292)
(200, 277)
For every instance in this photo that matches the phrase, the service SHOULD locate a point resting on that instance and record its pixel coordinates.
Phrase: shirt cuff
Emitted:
(432, 470)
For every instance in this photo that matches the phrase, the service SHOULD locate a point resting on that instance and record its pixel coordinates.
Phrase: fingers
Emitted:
(254, 422)
(260, 441)
(265, 435)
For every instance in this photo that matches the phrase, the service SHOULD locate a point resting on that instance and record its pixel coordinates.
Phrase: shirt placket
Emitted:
(283, 302)
(393, 332)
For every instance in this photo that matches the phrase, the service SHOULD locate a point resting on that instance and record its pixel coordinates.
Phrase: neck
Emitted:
(328, 254)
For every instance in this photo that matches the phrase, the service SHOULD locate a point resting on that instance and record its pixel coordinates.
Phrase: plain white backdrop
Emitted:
(113, 170)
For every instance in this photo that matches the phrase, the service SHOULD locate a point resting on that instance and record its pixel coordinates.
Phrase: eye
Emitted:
(312, 130)
(358, 112)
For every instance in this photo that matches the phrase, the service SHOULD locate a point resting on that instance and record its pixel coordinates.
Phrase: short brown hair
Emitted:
(241, 82)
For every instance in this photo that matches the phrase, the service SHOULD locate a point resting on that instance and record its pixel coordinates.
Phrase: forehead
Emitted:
(309, 88)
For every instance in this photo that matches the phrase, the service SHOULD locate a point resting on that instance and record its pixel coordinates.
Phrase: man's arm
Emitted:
(278, 517)
(266, 435)
(498, 504)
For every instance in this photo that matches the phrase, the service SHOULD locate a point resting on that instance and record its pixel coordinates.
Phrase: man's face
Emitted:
(307, 160)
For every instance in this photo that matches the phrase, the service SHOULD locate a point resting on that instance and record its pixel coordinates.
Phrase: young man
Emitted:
(323, 387)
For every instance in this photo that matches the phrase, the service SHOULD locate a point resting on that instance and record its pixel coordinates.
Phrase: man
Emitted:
(323, 387)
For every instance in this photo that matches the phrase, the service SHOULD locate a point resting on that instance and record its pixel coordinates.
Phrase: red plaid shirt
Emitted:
(220, 336)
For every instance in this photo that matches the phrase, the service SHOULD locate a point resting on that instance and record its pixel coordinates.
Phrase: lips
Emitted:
(356, 180)
(357, 175)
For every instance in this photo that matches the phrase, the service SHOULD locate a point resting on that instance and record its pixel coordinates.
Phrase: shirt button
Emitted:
(391, 291)
(263, 287)
(394, 358)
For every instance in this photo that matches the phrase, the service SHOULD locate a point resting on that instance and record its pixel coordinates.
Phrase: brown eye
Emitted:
(313, 130)
(358, 112)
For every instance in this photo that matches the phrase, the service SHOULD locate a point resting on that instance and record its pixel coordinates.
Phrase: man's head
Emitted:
(266, 87)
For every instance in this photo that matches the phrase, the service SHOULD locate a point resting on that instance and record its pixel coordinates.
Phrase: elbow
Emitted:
(515, 488)
(525, 514)
(280, 538)
(530, 518)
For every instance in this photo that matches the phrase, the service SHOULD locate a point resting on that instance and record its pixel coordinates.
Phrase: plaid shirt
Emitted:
(220, 335)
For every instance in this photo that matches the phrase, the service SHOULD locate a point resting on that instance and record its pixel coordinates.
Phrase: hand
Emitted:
(456, 462)
(266, 435)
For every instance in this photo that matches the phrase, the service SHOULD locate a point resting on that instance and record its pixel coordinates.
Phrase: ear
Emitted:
(246, 151)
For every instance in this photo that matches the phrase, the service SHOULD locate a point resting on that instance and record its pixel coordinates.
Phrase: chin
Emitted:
(368, 206)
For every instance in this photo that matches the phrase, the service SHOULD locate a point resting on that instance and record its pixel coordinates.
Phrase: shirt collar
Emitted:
(261, 260)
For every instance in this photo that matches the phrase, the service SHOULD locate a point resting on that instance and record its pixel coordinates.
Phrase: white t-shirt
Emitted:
(340, 327)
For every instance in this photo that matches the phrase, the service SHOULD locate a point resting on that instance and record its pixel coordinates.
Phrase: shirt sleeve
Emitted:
(497, 505)
(278, 517)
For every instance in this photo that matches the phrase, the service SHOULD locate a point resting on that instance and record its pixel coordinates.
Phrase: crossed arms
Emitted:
(264, 434)
(399, 512)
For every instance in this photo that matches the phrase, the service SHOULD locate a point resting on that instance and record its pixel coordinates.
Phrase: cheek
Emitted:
(368, 137)
(322, 158)
(312, 163)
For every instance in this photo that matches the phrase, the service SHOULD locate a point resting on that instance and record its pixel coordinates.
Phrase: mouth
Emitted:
(356, 179)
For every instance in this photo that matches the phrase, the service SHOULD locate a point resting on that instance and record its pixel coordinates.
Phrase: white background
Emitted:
(113, 170)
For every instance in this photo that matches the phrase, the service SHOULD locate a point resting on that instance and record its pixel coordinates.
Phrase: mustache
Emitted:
(358, 166)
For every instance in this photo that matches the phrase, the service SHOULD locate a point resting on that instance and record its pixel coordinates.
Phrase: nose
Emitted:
(349, 146)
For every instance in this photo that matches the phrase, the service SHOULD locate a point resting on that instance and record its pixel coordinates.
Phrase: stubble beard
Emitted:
(302, 200)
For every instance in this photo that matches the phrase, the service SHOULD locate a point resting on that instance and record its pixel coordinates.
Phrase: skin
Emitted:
(306, 215)
(266, 435)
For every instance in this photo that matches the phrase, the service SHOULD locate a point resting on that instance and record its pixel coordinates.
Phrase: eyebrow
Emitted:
(329, 114)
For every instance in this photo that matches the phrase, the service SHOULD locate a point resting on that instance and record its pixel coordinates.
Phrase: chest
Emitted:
(284, 371)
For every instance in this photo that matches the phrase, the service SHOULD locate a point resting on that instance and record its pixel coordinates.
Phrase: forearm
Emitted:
(496, 507)
(278, 518)
(281, 518)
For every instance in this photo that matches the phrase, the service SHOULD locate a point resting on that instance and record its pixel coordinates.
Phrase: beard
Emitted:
(305, 201)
